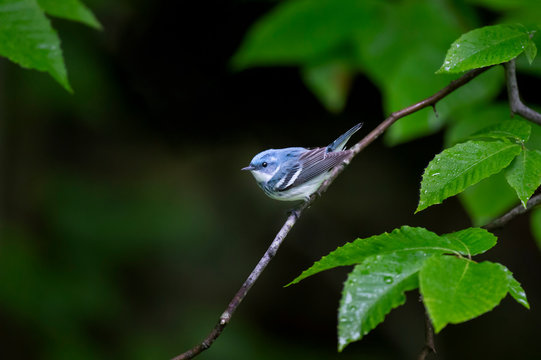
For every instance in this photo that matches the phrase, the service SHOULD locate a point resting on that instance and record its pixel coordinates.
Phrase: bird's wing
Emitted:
(308, 166)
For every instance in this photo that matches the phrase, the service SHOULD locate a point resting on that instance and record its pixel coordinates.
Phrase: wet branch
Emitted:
(517, 210)
(516, 105)
(430, 347)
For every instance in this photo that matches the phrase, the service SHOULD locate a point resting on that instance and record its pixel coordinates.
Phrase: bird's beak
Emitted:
(248, 168)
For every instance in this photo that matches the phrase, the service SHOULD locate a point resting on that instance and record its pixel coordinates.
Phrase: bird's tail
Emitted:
(340, 143)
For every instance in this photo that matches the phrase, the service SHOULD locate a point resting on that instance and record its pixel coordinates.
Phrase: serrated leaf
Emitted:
(70, 9)
(330, 82)
(485, 46)
(461, 166)
(475, 240)
(27, 38)
(518, 130)
(515, 289)
(535, 221)
(405, 239)
(455, 290)
(524, 174)
(373, 289)
(530, 51)
(480, 202)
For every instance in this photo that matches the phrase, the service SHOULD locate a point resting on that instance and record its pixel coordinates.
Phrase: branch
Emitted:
(517, 210)
(295, 214)
(381, 128)
(239, 296)
(517, 107)
(430, 347)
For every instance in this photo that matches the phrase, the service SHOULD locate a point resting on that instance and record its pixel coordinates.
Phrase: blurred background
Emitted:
(127, 225)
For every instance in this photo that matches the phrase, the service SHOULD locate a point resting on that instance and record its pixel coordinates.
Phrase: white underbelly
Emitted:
(300, 192)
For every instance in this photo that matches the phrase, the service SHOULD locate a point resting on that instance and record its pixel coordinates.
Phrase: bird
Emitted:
(295, 173)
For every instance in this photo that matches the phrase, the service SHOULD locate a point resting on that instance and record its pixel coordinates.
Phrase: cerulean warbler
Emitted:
(295, 173)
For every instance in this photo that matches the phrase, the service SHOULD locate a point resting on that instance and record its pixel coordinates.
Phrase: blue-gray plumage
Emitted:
(295, 173)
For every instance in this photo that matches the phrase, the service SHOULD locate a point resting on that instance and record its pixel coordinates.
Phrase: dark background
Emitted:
(127, 225)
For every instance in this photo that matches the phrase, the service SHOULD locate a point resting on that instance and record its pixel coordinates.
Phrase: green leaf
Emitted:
(535, 221)
(410, 84)
(299, 32)
(518, 130)
(407, 29)
(70, 9)
(373, 289)
(515, 289)
(27, 38)
(455, 290)
(475, 240)
(403, 240)
(461, 166)
(524, 174)
(485, 46)
(330, 82)
(530, 51)
(480, 202)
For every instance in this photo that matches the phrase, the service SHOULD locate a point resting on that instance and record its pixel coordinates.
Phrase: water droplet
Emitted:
(447, 68)
(457, 45)
(388, 279)
(435, 174)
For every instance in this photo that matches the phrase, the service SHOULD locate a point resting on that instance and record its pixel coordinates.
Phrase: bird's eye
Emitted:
(264, 164)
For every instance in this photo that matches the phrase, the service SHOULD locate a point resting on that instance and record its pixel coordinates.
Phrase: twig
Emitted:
(239, 296)
(517, 210)
(292, 218)
(382, 127)
(517, 106)
(430, 347)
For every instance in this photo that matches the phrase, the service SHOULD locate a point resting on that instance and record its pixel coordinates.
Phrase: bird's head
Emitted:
(264, 165)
